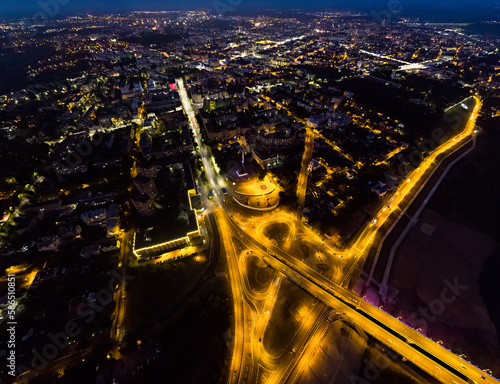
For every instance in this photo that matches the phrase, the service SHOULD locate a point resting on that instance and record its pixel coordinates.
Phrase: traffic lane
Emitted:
(409, 213)
(378, 333)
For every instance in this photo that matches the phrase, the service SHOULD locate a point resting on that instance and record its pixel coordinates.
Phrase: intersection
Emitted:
(251, 362)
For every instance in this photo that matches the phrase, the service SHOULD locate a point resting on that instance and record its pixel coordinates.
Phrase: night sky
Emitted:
(480, 8)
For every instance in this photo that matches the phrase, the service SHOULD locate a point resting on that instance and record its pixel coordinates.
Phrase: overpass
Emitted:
(407, 342)
(426, 354)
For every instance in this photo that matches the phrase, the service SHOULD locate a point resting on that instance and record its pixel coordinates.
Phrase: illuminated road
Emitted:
(249, 322)
(420, 350)
(299, 344)
(322, 328)
(307, 155)
(241, 360)
(364, 241)
(240, 337)
(117, 329)
(413, 184)
(384, 57)
(422, 204)
(304, 171)
(383, 327)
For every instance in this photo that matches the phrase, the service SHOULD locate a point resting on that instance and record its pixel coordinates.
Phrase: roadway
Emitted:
(382, 326)
(242, 332)
(417, 348)
(401, 338)
(408, 190)
(249, 322)
(411, 214)
(307, 356)
(364, 241)
(119, 296)
(304, 171)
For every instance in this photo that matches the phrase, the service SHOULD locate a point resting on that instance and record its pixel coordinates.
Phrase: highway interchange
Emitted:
(251, 362)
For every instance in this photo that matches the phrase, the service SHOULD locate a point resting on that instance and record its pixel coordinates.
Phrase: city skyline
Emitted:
(240, 195)
(480, 9)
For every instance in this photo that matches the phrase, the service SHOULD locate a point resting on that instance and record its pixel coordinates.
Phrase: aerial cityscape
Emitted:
(249, 193)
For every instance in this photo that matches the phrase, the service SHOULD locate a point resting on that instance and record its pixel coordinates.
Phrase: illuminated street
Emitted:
(240, 193)
(394, 334)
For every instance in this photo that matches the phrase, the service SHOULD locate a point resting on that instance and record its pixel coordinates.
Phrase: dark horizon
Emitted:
(427, 10)
(236, 191)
